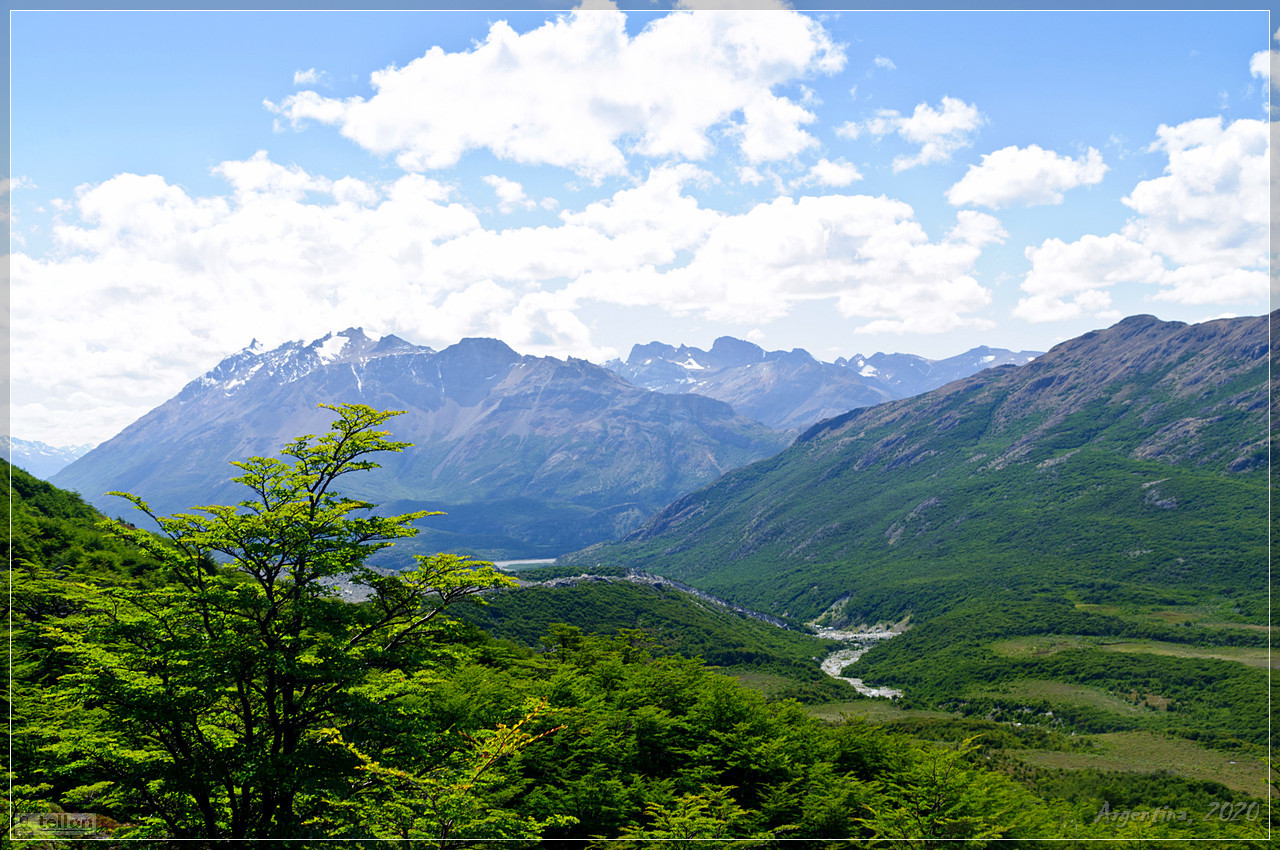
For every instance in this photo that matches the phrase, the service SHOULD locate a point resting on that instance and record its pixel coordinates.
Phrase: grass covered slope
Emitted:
(1127, 465)
(53, 532)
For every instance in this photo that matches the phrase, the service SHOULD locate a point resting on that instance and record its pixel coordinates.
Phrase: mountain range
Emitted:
(529, 456)
(40, 459)
(792, 389)
(1073, 550)
(1129, 463)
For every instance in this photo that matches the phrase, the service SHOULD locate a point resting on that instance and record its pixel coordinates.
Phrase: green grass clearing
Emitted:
(1254, 656)
(1036, 645)
(1219, 615)
(873, 710)
(1040, 645)
(1213, 624)
(1144, 752)
(768, 684)
(1062, 693)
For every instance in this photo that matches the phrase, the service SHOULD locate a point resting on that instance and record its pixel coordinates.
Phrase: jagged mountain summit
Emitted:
(907, 374)
(529, 455)
(1127, 463)
(793, 389)
(40, 459)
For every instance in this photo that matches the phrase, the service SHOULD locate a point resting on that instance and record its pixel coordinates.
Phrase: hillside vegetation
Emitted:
(1125, 467)
(1030, 522)
(455, 735)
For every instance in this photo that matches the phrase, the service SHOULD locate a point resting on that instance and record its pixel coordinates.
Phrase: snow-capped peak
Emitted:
(330, 347)
(291, 361)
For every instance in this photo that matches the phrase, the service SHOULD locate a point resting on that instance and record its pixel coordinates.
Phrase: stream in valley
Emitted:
(859, 642)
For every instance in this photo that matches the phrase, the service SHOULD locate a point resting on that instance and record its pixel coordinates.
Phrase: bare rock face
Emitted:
(498, 437)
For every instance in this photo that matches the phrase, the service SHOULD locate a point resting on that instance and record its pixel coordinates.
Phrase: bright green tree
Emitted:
(196, 704)
(452, 804)
(939, 795)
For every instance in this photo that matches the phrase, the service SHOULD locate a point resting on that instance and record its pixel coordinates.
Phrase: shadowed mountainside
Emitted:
(531, 456)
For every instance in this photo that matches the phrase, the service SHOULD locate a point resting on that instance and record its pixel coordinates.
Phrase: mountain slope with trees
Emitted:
(1128, 463)
(1080, 542)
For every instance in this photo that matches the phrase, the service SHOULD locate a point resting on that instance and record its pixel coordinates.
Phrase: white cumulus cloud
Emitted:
(1014, 176)
(849, 130)
(511, 196)
(1068, 280)
(581, 93)
(285, 254)
(867, 254)
(939, 132)
(1208, 213)
(1263, 63)
(1199, 235)
(825, 172)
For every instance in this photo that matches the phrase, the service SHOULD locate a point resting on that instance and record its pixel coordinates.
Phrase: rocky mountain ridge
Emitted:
(40, 459)
(527, 454)
(792, 389)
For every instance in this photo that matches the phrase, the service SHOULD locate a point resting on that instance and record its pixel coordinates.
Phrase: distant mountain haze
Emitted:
(792, 389)
(40, 459)
(529, 456)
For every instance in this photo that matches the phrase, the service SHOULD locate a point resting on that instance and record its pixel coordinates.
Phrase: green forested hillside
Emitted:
(674, 623)
(151, 686)
(1125, 467)
(1080, 543)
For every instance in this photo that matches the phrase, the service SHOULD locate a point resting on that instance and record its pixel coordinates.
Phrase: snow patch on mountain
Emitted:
(330, 348)
(40, 459)
(293, 360)
(793, 389)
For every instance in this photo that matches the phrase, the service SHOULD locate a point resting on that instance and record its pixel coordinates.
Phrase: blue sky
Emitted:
(577, 182)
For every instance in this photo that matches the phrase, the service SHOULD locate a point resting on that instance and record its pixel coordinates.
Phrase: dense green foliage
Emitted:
(202, 684)
(944, 533)
(195, 699)
(675, 622)
(1114, 490)
(55, 531)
